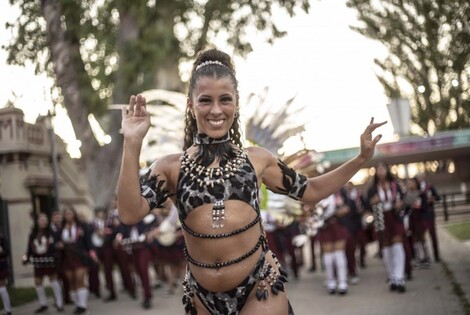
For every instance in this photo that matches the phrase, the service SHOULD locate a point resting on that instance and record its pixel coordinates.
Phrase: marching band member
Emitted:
(170, 244)
(4, 273)
(41, 253)
(429, 214)
(142, 255)
(312, 232)
(332, 237)
(415, 201)
(97, 231)
(353, 223)
(123, 254)
(289, 231)
(386, 199)
(106, 254)
(78, 253)
(56, 228)
(271, 227)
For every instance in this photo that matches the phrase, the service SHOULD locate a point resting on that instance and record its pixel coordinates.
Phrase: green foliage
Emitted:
(460, 230)
(123, 44)
(429, 44)
(101, 52)
(20, 296)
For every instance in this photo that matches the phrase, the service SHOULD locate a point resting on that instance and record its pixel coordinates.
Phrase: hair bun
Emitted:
(211, 55)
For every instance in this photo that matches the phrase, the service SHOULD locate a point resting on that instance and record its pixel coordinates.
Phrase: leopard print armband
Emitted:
(294, 184)
(151, 190)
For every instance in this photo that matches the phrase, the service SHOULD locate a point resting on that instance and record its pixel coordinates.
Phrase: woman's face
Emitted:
(214, 104)
(411, 185)
(381, 172)
(43, 221)
(69, 215)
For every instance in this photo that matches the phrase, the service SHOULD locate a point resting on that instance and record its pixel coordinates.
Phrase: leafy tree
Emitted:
(429, 44)
(100, 52)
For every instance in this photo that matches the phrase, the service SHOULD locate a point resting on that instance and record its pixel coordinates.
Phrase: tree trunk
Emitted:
(101, 163)
(64, 56)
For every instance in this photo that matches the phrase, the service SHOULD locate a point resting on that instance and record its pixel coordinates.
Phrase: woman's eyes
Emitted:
(226, 99)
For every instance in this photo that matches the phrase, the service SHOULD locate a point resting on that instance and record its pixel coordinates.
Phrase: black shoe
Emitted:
(331, 291)
(59, 308)
(313, 269)
(80, 311)
(133, 295)
(393, 287)
(343, 291)
(401, 288)
(146, 304)
(110, 298)
(41, 309)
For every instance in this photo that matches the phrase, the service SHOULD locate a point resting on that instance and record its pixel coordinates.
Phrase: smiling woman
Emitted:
(215, 185)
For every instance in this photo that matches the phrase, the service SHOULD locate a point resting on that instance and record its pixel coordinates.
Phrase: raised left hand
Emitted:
(367, 142)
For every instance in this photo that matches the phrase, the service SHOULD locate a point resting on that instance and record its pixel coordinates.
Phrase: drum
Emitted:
(97, 240)
(167, 235)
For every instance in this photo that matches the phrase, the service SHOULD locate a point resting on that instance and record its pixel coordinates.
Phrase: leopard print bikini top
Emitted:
(242, 186)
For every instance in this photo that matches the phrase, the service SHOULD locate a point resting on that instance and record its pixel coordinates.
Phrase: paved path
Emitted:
(430, 292)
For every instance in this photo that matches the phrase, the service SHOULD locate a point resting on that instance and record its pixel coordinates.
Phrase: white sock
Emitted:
(425, 250)
(73, 297)
(398, 254)
(341, 269)
(82, 296)
(417, 248)
(328, 260)
(59, 302)
(5, 299)
(388, 262)
(41, 295)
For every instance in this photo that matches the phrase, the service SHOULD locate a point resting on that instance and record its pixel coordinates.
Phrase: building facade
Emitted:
(27, 186)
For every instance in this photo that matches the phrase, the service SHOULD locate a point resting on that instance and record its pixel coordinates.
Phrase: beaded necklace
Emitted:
(209, 176)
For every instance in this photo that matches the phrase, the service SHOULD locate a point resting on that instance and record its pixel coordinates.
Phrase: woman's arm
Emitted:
(138, 195)
(281, 179)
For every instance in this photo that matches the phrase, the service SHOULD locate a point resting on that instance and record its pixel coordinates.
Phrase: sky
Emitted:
(327, 67)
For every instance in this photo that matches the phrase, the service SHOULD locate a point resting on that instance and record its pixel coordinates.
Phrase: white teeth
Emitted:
(216, 122)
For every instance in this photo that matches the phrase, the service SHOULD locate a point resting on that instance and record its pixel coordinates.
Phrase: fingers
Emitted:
(377, 139)
(372, 126)
(140, 106)
(137, 106)
(132, 102)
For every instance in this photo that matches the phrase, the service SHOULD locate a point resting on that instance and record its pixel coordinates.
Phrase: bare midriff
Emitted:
(211, 251)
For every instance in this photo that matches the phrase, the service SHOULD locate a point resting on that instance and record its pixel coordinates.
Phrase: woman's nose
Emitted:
(216, 108)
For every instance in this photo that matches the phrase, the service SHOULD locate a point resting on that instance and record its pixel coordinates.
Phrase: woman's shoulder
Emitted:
(259, 153)
(167, 161)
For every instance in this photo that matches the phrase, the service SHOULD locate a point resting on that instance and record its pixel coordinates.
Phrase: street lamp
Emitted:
(400, 114)
(55, 164)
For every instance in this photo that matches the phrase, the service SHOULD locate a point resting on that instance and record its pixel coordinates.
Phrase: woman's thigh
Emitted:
(273, 305)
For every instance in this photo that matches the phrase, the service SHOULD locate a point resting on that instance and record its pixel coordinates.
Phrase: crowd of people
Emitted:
(200, 209)
(397, 214)
(76, 254)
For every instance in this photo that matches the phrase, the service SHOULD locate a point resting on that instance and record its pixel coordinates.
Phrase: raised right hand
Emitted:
(135, 118)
